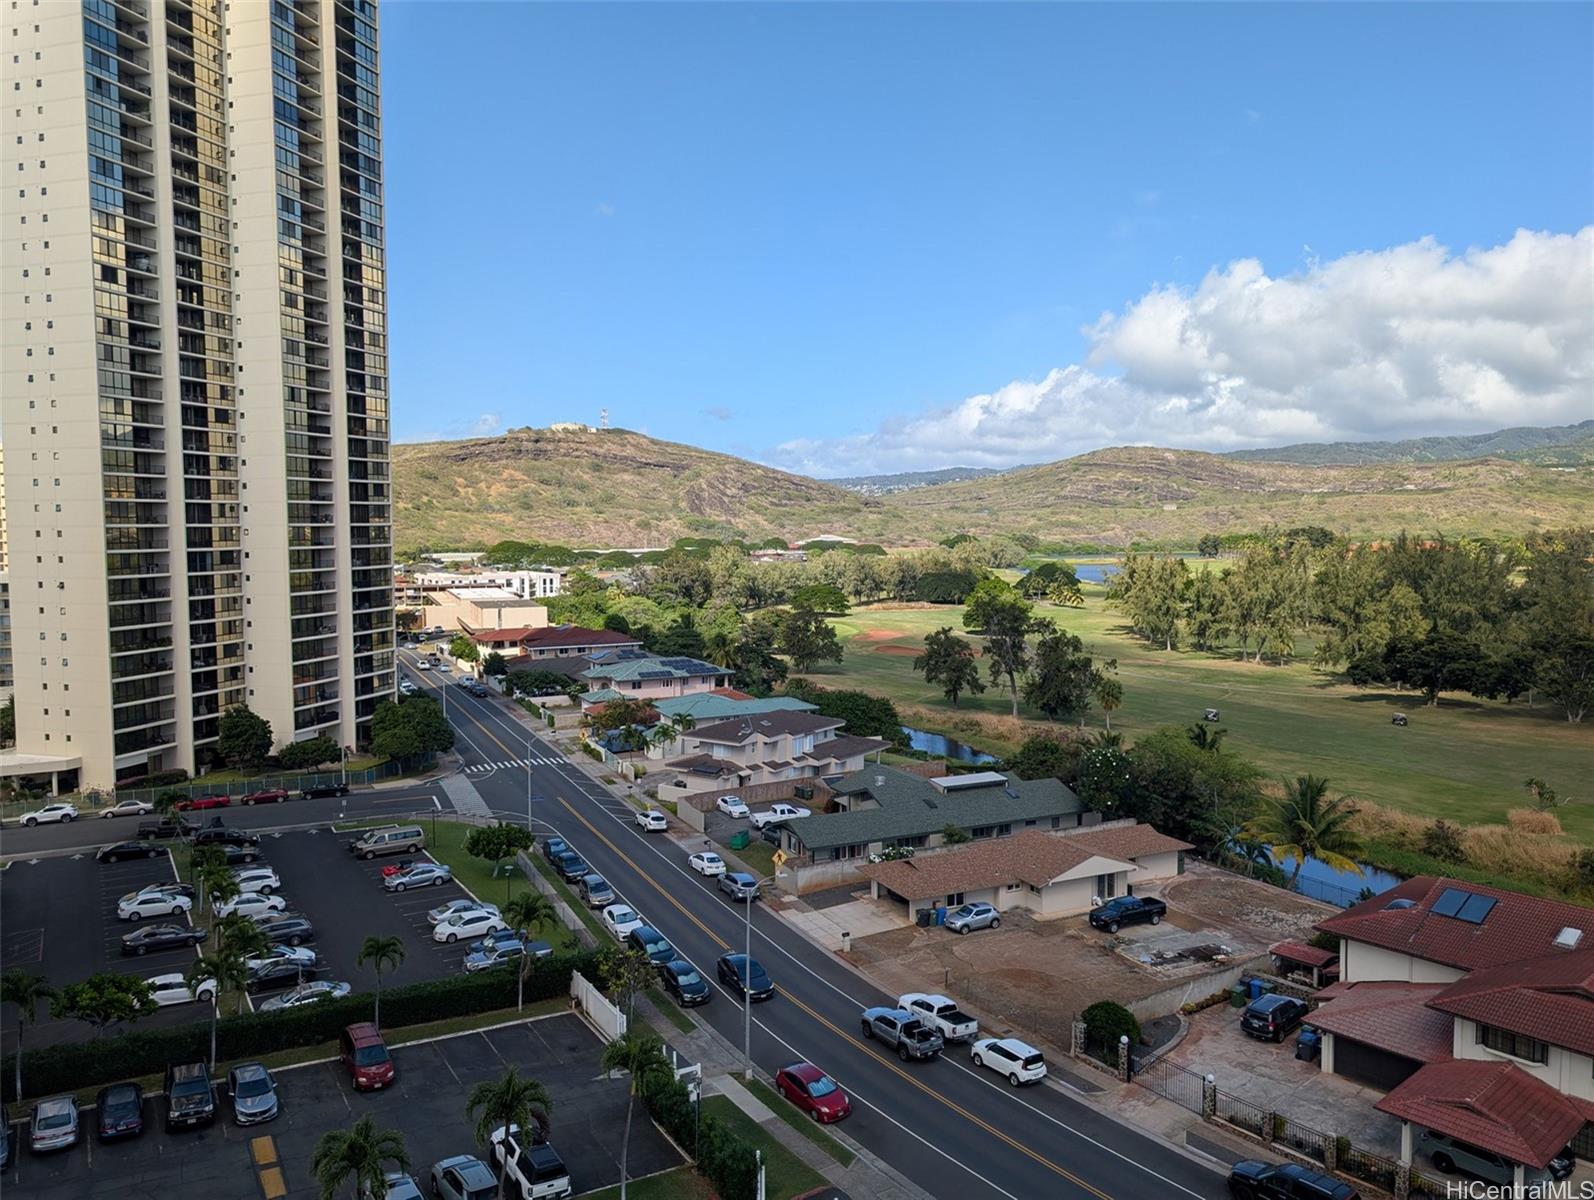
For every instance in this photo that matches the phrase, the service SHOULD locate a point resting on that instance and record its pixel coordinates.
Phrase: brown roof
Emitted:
(1300, 952)
(1517, 927)
(554, 636)
(1549, 998)
(515, 633)
(844, 746)
(1495, 1105)
(1391, 1016)
(1128, 842)
(1034, 857)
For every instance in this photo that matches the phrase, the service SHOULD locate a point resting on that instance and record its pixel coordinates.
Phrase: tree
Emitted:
(495, 665)
(680, 640)
(25, 990)
(464, 649)
(943, 587)
(540, 683)
(1441, 662)
(1204, 610)
(407, 620)
(1106, 690)
(623, 972)
(213, 879)
(496, 843)
(1043, 756)
(989, 597)
(949, 661)
(384, 952)
(826, 598)
(509, 1102)
(302, 756)
(166, 803)
(865, 715)
(225, 970)
(103, 1000)
(1055, 581)
(757, 667)
(1204, 737)
(361, 1155)
(1209, 545)
(1061, 676)
(1107, 1023)
(243, 739)
(1008, 624)
(807, 638)
(640, 1053)
(951, 835)
(1442, 840)
(526, 911)
(1557, 598)
(1545, 798)
(8, 721)
(396, 740)
(620, 714)
(415, 724)
(1305, 823)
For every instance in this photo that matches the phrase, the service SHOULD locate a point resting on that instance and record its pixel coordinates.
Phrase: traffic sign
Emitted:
(778, 858)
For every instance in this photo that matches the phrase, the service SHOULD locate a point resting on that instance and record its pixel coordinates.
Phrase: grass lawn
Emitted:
(476, 874)
(813, 1132)
(759, 856)
(1464, 760)
(785, 1175)
(670, 1010)
(683, 1183)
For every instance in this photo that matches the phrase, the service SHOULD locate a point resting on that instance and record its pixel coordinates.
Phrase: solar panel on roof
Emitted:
(1476, 909)
(1450, 902)
(655, 674)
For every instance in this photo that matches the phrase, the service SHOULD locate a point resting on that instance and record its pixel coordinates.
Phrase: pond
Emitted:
(1323, 882)
(944, 747)
(1094, 572)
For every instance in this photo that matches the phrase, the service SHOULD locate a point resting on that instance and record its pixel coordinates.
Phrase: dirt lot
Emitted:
(1032, 976)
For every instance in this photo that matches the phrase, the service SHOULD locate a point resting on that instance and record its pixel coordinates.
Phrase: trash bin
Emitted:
(1237, 996)
(924, 916)
(1264, 987)
(940, 915)
(1309, 1045)
(738, 841)
(1255, 986)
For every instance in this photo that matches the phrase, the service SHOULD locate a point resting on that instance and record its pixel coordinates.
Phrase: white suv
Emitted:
(731, 806)
(50, 812)
(1019, 1062)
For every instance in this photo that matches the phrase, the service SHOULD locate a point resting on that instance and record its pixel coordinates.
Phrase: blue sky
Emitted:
(850, 237)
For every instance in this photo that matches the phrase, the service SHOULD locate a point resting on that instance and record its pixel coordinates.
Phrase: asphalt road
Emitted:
(955, 1130)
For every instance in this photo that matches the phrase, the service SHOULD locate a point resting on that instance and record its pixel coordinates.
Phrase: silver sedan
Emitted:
(419, 875)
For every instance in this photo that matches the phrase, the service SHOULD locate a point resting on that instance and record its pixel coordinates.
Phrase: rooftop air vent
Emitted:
(1568, 938)
(879, 781)
(1399, 902)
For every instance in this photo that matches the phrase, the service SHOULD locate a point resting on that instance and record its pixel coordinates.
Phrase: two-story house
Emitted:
(1474, 1006)
(767, 748)
(632, 675)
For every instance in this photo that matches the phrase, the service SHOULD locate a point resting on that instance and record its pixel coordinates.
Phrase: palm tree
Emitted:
(527, 911)
(721, 648)
(640, 1053)
(1304, 823)
(25, 990)
(383, 953)
(166, 803)
(1106, 739)
(362, 1153)
(212, 878)
(1203, 737)
(511, 1100)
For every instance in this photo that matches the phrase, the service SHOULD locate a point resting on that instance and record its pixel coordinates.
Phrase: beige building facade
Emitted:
(194, 400)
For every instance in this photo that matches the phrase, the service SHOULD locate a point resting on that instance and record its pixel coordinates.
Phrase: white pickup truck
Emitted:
(942, 1015)
(777, 813)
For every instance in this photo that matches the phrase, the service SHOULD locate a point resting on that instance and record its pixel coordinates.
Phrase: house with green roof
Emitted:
(634, 676)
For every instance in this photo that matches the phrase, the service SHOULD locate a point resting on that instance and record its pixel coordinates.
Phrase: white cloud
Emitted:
(604, 210)
(1404, 342)
(486, 425)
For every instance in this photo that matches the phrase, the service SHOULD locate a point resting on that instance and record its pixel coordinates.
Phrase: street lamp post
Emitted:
(528, 784)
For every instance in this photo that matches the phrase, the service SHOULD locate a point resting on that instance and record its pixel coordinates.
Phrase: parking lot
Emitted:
(426, 1104)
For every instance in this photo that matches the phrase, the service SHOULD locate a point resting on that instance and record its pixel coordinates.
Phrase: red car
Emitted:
(204, 802)
(364, 1055)
(811, 1090)
(395, 868)
(270, 796)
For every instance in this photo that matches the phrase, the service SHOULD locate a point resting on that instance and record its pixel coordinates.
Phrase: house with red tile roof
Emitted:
(1474, 1007)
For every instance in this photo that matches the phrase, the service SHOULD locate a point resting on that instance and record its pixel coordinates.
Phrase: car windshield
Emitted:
(688, 978)
(822, 1086)
(191, 1089)
(248, 1089)
(370, 1056)
(55, 1120)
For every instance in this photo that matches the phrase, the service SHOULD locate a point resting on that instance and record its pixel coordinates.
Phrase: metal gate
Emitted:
(1171, 1082)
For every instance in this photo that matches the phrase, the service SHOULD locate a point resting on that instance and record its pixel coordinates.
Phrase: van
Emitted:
(389, 839)
(1453, 1154)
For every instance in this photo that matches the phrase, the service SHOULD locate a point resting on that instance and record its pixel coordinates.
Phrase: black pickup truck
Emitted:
(1128, 910)
(167, 827)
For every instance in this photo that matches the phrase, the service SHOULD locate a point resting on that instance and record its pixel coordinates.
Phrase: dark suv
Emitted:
(1272, 1017)
(222, 835)
(1127, 910)
(1253, 1180)
(190, 1098)
(167, 827)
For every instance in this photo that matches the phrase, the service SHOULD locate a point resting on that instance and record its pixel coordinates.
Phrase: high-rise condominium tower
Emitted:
(195, 399)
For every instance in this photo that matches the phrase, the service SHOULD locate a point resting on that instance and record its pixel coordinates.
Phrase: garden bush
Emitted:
(1105, 1022)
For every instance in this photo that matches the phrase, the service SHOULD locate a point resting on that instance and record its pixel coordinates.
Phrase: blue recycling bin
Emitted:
(1256, 988)
(940, 915)
(1309, 1045)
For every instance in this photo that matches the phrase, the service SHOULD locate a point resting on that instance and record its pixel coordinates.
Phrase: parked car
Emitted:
(128, 808)
(443, 911)
(467, 925)
(321, 791)
(291, 928)
(496, 938)
(739, 885)
(744, 976)
(571, 866)
(422, 874)
(216, 834)
(706, 862)
(190, 1096)
(268, 796)
(121, 851)
(174, 988)
(162, 937)
(731, 806)
(811, 1090)
(682, 980)
(198, 802)
(1016, 1061)
(968, 917)
(406, 688)
(1452, 1154)
(942, 1015)
(494, 954)
(312, 991)
(620, 919)
(256, 879)
(167, 827)
(253, 1092)
(595, 891)
(463, 1178)
(249, 904)
(1273, 1016)
(652, 820)
(281, 972)
(776, 813)
(903, 1032)
(1250, 1179)
(553, 847)
(162, 889)
(299, 955)
(49, 815)
(1128, 910)
(423, 665)
(364, 1055)
(478, 689)
(153, 904)
(396, 1185)
(120, 1111)
(537, 1171)
(239, 856)
(651, 943)
(54, 1125)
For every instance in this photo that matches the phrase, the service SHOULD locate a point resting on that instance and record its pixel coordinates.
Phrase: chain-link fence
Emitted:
(291, 783)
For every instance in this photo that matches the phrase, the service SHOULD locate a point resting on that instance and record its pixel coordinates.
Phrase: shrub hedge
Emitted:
(1105, 1022)
(69, 1067)
(730, 1166)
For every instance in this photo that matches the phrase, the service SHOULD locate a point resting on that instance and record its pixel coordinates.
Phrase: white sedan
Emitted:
(476, 923)
(174, 989)
(444, 911)
(706, 862)
(423, 665)
(152, 904)
(129, 808)
(731, 806)
(621, 919)
(251, 904)
(776, 813)
(652, 820)
(49, 814)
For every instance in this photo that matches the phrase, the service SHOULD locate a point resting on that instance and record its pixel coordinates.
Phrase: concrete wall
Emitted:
(1169, 1000)
(1065, 899)
(1156, 866)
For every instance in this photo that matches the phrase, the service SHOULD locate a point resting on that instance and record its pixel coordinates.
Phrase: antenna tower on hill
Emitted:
(603, 418)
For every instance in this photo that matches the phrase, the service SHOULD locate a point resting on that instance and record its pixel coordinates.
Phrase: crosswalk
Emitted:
(513, 764)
